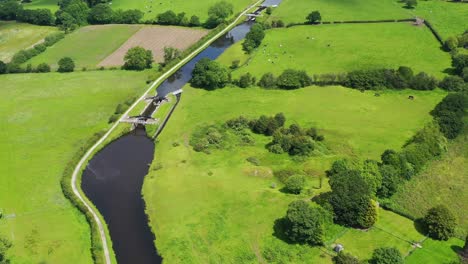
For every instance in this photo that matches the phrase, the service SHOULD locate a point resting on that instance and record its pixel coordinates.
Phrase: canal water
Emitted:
(114, 177)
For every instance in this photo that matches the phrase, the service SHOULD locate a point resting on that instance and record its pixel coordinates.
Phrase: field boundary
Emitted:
(426, 23)
(78, 168)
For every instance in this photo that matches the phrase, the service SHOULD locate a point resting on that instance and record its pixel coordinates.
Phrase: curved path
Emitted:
(84, 159)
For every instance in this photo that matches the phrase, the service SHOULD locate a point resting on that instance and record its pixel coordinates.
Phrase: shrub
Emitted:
(305, 224)
(101, 14)
(53, 38)
(440, 223)
(43, 67)
(451, 43)
(14, 68)
(209, 74)
(138, 59)
(66, 64)
(113, 118)
(453, 83)
(255, 161)
(345, 258)
(295, 184)
(254, 38)
(268, 80)
(386, 255)
(3, 67)
(459, 62)
(238, 124)
(292, 79)
(351, 199)
(390, 181)
(449, 114)
(246, 80)
(314, 17)
(422, 81)
(267, 125)
(194, 21)
(235, 64)
(218, 13)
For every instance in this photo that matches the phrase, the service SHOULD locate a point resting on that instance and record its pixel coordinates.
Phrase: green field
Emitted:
(152, 9)
(448, 17)
(198, 8)
(391, 230)
(442, 182)
(17, 36)
(88, 45)
(436, 252)
(46, 118)
(219, 208)
(48, 4)
(296, 11)
(342, 48)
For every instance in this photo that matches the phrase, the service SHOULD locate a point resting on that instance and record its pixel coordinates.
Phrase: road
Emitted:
(78, 169)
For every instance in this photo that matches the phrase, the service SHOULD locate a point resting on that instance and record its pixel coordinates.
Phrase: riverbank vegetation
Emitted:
(43, 129)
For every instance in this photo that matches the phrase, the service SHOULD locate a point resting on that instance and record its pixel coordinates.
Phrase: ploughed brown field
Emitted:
(155, 38)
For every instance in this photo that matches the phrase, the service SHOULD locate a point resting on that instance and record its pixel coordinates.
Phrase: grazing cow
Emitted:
(411, 97)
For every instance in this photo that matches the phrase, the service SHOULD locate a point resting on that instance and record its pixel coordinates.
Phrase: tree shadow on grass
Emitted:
(450, 71)
(420, 226)
(456, 249)
(279, 230)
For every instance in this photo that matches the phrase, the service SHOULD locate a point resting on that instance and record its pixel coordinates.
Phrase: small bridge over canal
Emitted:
(140, 120)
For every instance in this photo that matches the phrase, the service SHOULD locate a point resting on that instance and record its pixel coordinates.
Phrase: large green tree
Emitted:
(218, 13)
(138, 59)
(305, 224)
(101, 14)
(66, 64)
(314, 17)
(440, 222)
(351, 199)
(210, 75)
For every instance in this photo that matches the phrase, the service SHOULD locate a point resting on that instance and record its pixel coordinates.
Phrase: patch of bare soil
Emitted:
(155, 38)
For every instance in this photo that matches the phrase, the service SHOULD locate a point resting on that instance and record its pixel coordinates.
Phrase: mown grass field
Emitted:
(87, 46)
(342, 48)
(436, 252)
(448, 18)
(198, 8)
(296, 11)
(17, 36)
(220, 208)
(46, 118)
(444, 181)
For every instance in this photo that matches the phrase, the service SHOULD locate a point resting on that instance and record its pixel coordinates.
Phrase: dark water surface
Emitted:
(113, 181)
(114, 177)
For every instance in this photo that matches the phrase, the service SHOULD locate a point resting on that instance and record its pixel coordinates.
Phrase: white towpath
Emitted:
(84, 159)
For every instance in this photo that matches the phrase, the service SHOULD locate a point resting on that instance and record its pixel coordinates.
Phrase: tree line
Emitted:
(75, 13)
(212, 75)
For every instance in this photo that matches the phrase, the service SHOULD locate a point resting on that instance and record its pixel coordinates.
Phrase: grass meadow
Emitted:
(443, 181)
(87, 46)
(341, 48)
(48, 4)
(449, 18)
(17, 36)
(220, 208)
(198, 8)
(46, 117)
(296, 11)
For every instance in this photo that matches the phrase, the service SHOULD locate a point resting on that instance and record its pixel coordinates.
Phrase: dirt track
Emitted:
(155, 38)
